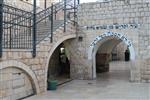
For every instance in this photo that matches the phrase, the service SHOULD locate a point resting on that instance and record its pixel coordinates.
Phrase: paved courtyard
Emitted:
(114, 85)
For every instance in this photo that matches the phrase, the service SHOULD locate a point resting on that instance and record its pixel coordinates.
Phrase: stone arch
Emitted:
(52, 49)
(25, 68)
(100, 40)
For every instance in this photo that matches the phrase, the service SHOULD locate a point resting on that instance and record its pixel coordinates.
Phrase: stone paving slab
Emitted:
(108, 86)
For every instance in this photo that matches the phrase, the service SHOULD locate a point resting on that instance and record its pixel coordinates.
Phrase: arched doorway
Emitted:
(52, 50)
(102, 48)
(59, 65)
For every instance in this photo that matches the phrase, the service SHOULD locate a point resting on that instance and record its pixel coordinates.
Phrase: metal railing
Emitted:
(16, 28)
(21, 29)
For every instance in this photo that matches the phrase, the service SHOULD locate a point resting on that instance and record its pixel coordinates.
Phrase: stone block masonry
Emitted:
(97, 18)
(128, 20)
(35, 69)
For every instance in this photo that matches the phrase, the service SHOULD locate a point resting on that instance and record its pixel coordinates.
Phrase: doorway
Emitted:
(59, 65)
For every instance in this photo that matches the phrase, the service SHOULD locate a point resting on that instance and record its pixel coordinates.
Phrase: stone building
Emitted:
(104, 31)
(22, 4)
(104, 25)
(28, 4)
(41, 3)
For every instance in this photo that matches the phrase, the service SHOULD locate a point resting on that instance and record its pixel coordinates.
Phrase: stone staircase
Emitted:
(22, 36)
(43, 31)
(44, 43)
(45, 27)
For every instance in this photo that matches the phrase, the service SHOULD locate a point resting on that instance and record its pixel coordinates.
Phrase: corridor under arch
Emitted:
(102, 47)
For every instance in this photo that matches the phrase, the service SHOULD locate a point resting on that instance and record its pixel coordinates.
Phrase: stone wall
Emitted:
(97, 18)
(129, 17)
(119, 52)
(15, 84)
(25, 5)
(48, 3)
(28, 4)
(36, 67)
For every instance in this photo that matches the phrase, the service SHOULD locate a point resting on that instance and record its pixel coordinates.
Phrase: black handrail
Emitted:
(28, 13)
(58, 6)
(31, 12)
(14, 8)
(18, 26)
(18, 13)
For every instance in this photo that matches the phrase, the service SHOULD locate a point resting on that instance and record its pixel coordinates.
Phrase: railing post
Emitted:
(34, 30)
(52, 23)
(1, 26)
(65, 15)
(45, 6)
(74, 11)
(55, 13)
(10, 38)
(78, 2)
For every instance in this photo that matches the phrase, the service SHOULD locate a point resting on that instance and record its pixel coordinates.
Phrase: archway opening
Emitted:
(15, 84)
(104, 45)
(59, 65)
(113, 59)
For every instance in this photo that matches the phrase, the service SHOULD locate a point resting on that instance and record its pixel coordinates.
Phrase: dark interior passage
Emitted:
(112, 55)
(59, 65)
(64, 63)
(102, 62)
